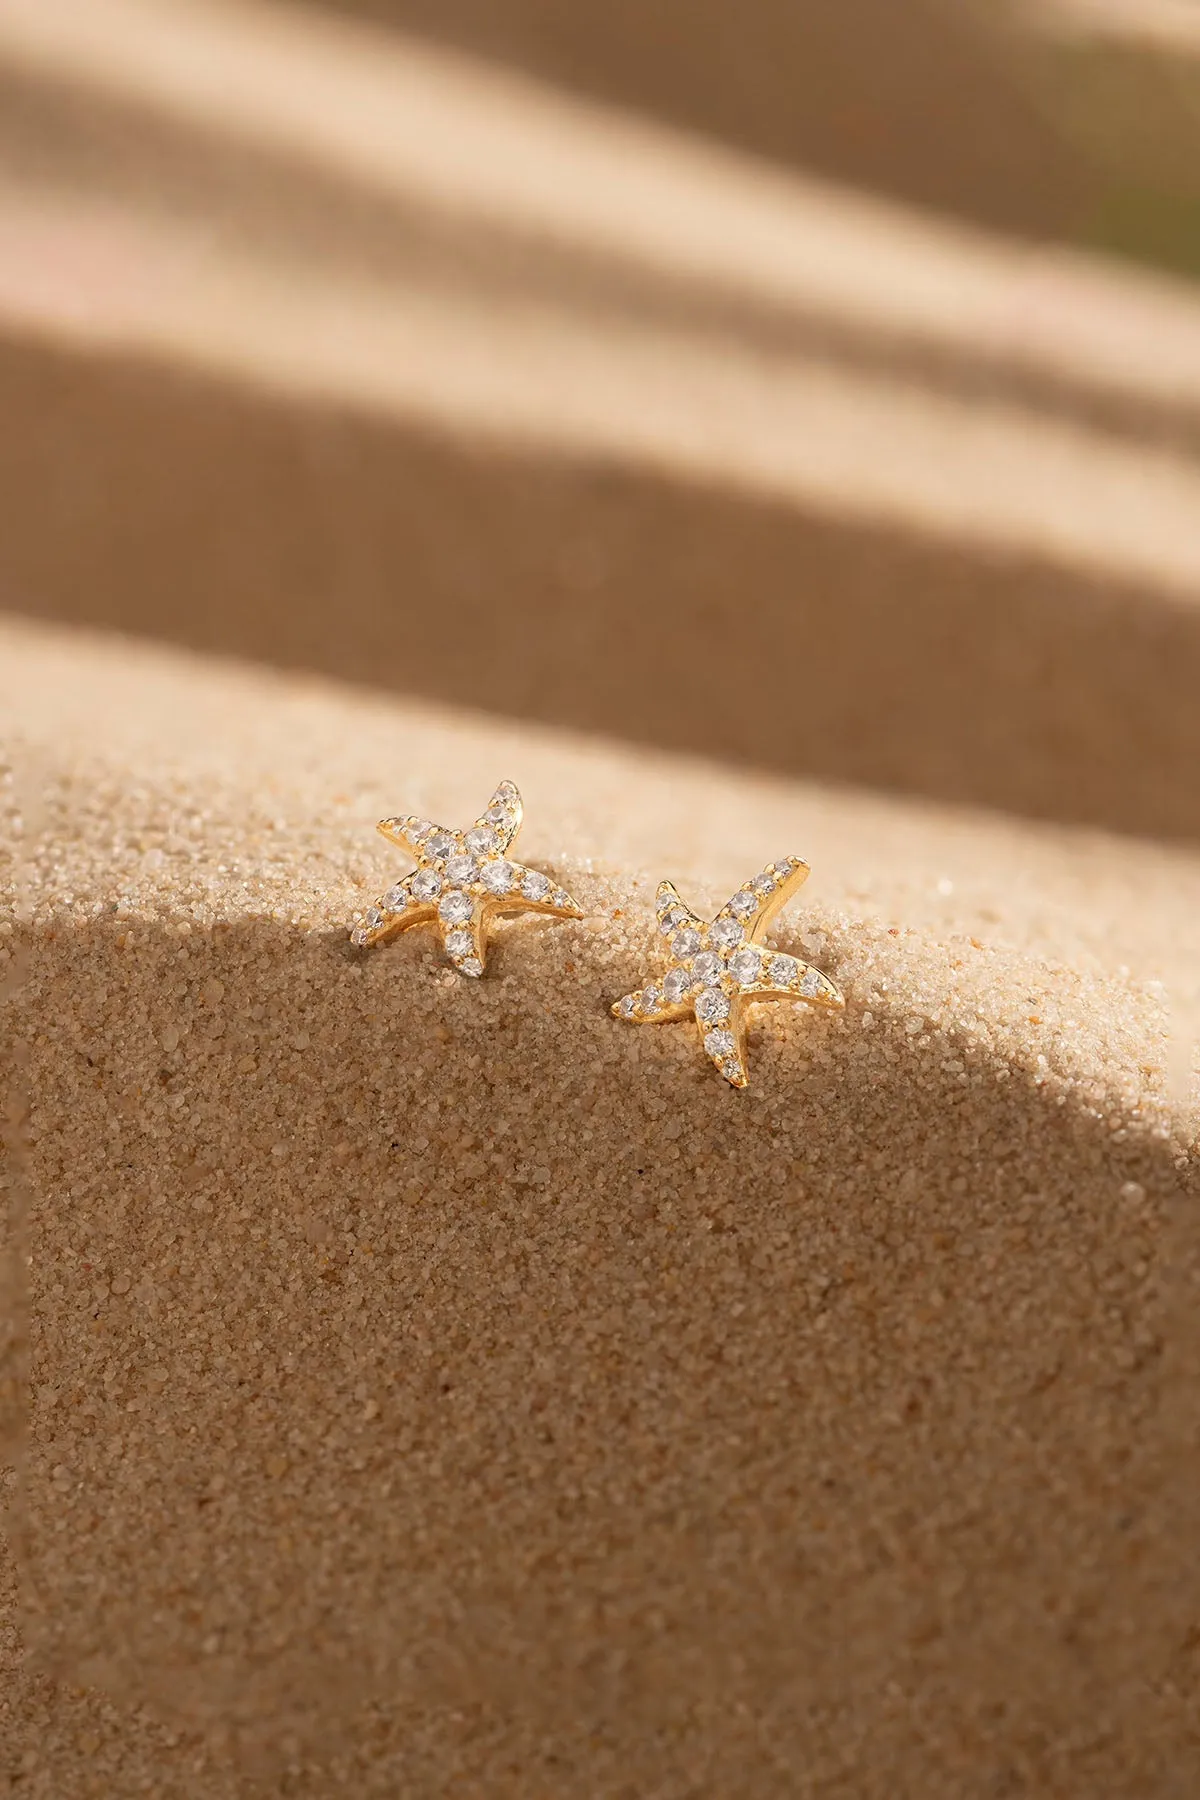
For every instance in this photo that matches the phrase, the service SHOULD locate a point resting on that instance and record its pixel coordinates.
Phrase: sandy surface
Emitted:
(422, 1387)
(312, 341)
(789, 80)
(440, 1387)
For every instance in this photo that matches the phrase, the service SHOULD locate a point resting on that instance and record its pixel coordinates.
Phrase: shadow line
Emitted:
(575, 592)
(431, 1351)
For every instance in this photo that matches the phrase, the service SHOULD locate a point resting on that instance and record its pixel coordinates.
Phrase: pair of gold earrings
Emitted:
(465, 879)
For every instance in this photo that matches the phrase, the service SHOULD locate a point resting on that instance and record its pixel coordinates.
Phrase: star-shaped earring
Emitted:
(462, 881)
(715, 970)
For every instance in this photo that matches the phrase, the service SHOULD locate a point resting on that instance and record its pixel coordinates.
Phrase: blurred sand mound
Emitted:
(338, 353)
(1075, 121)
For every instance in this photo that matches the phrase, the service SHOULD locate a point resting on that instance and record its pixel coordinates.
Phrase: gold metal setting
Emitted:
(463, 880)
(716, 970)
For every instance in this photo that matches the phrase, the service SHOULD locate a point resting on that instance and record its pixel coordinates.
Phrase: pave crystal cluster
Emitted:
(715, 969)
(463, 880)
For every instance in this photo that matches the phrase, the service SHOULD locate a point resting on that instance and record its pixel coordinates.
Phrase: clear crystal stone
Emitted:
(727, 932)
(455, 908)
(743, 903)
(459, 943)
(396, 898)
(686, 942)
(441, 844)
(720, 1043)
(499, 816)
(676, 983)
(673, 917)
(627, 1006)
(731, 1069)
(783, 970)
(811, 985)
(650, 999)
(745, 964)
(471, 965)
(481, 839)
(535, 886)
(426, 884)
(764, 883)
(498, 877)
(712, 1006)
(417, 828)
(461, 870)
(708, 967)
(358, 935)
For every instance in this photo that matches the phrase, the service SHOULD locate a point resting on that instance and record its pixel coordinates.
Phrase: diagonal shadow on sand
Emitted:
(514, 1381)
(587, 444)
(574, 590)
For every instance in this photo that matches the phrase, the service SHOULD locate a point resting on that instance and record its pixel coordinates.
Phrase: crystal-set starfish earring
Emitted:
(462, 881)
(715, 970)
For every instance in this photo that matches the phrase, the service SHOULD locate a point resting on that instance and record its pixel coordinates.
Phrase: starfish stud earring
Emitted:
(462, 881)
(716, 970)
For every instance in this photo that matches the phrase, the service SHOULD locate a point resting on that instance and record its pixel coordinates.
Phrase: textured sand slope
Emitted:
(450, 1382)
(496, 424)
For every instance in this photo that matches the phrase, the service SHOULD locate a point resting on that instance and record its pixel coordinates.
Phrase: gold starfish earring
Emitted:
(716, 969)
(462, 881)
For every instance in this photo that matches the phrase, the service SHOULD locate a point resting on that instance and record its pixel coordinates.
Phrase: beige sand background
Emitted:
(344, 314)
(457, 1380)
(414, 1388)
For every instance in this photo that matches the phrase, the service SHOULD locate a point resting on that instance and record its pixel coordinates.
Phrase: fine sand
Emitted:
(440, 1387)
(418, 1387)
